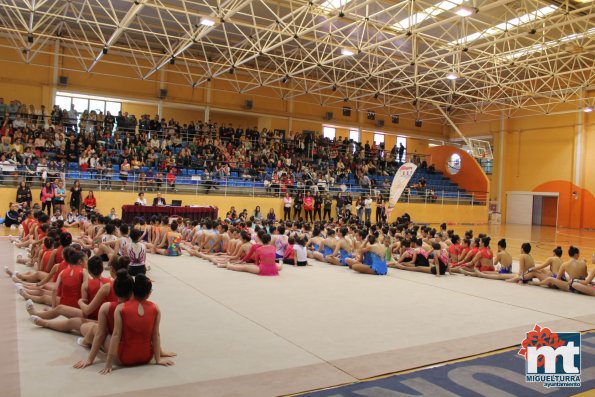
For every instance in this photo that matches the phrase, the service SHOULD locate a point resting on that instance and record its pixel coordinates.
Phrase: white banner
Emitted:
(399, 184)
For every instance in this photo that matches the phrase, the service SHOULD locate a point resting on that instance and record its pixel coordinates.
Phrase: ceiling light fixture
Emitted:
(207, 21)
(452, 76)
(588, 109)
(464, 11)
(347, 52)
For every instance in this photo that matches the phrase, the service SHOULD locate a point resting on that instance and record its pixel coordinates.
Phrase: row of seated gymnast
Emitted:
(66, 291)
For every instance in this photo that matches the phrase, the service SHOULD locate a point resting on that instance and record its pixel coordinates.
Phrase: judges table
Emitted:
(129, 212)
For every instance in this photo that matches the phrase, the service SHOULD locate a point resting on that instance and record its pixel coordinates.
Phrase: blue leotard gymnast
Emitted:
(377, 263)
(344, 255)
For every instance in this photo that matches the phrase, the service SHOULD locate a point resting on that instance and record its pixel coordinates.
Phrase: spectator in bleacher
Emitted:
(159, 181)
(72, 118)
(108, 123)
(365, 181)
(171, 178)
(401, 152)
(208, 182)
(124, 172)
(107, 175)
(24, 196)
(90, 202)
(159, 201)
(2, 111)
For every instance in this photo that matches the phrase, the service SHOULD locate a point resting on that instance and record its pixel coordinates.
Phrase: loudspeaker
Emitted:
(162, 94)
(395, 118)
(346, 111)
(248, 104)
(371, 115)
(328, 116)
(418, 123)
(62, 80)
(379, 123)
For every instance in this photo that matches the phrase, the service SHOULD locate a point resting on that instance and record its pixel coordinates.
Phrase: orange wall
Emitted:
(470, 177)
(539, 155)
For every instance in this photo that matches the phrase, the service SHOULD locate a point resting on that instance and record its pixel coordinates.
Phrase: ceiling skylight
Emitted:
(510, 24)
(331, 5)
(544, 46)
(430, 12)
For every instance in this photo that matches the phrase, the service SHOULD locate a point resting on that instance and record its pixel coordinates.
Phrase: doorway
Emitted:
(545, 210)
(532, 208)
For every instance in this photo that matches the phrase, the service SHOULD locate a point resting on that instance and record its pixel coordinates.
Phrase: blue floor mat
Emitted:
(501, 375)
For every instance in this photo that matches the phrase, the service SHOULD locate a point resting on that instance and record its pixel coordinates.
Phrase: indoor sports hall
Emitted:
(416, 176)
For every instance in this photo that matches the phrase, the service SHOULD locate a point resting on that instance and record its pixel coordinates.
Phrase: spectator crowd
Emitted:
(42, 143)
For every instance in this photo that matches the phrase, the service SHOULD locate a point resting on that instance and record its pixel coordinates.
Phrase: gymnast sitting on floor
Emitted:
(136, 338)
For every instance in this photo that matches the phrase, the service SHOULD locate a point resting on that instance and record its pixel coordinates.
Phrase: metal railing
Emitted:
(237, 186)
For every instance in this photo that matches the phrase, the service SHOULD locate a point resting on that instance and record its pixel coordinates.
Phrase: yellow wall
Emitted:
(139, 109)
(421, 213)
(539, 155)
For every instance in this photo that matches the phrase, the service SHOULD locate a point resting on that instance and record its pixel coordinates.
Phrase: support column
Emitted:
(290, 111)
(578, 144)
(55, 74)
(209, 93)
(161, 87)
(501, 144)
(577, 201)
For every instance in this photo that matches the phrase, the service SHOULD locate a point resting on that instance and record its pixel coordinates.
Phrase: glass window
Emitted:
(98, 106)
(113, 107)
(80, 104)
(354, 135)
(63, 102)
(84, 102)
(329, 132)
(378, 138)
(454, 164)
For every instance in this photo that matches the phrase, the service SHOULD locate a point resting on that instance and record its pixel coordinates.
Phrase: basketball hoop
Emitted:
(480, 149)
